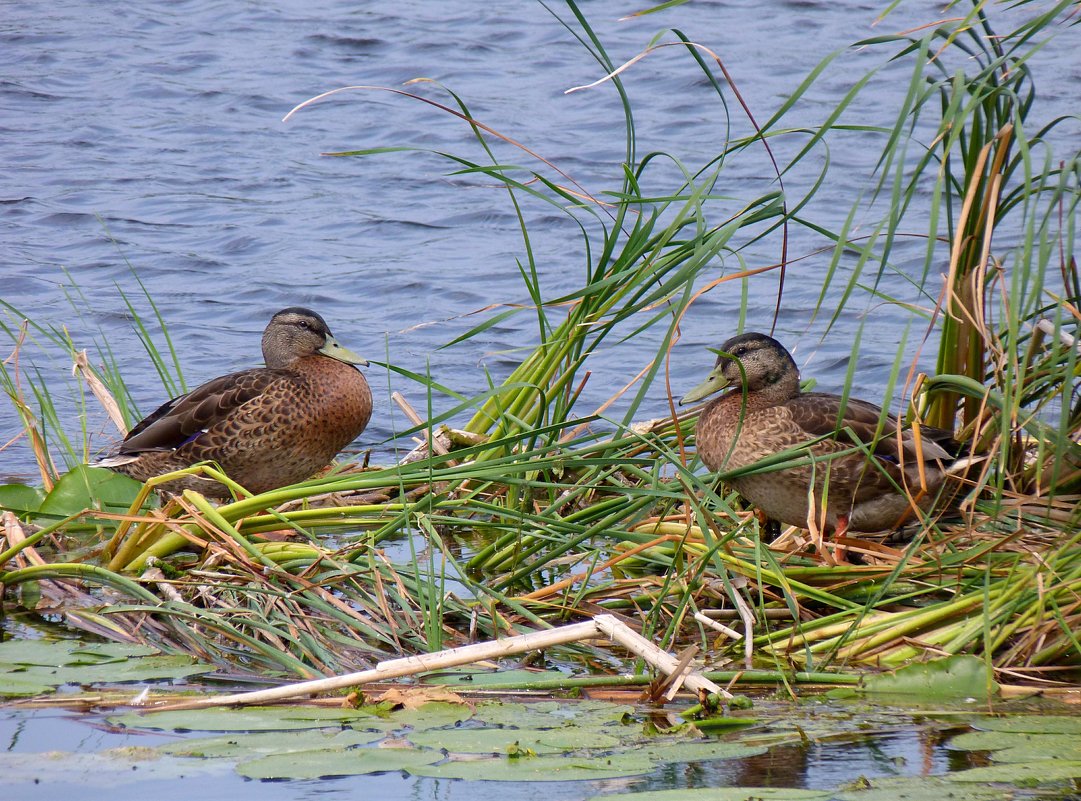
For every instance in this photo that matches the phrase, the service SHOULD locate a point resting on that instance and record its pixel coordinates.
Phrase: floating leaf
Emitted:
(86, 487)
(698, 751)
(1020, 746)
(433, 715)
(106, 769)
(923, 788)
(20, 498)
(336, 762)
(1036, 724)
(726, 794)
(147, 668)
(56, 653)
(248, 745)
(539, 769)
(21, 684)
(498, 741)
(550, 714)
(1045, 771)
(253, 718)
(953, 677)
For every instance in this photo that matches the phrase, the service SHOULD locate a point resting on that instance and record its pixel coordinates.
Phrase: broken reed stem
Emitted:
(604, 625)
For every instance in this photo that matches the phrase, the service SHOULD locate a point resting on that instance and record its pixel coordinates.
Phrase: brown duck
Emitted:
(266, 427)
(865, 473)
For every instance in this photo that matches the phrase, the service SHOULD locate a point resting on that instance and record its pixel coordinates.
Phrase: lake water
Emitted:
(148, 141)
(843, 743)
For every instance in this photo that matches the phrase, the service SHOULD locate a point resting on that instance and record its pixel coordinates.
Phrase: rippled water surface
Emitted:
(147, 141)
(888, 743)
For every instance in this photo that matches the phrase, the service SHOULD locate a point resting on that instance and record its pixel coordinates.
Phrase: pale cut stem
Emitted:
(604, 625)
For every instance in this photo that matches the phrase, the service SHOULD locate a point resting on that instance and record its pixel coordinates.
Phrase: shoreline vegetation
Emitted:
(521, 511)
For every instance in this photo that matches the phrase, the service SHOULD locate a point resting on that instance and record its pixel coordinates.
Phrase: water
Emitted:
(887, 743)
(149, 140)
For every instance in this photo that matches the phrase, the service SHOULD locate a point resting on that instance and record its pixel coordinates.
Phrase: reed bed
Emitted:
(535, 511)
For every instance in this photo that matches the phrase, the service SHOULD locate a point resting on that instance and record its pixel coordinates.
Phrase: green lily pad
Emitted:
(336, 762)
(923, 788)
(147, 668)
(539, 769)
(86, 487)
(105, 769)
(1020, 746)
(726, 794)
(56, 653)
(497, 741)
(953, 677)
(1045, 771)
(1036, 724)
(19, 684)
(433, 715)
(248, 746)
(698, 751)
(20, 498)
(551, 714)
(254, 718)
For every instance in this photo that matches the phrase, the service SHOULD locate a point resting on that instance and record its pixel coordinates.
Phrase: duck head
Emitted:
(296, 333)
(753, 361)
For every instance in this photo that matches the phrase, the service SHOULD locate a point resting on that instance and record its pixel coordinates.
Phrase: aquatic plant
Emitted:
(534, 509)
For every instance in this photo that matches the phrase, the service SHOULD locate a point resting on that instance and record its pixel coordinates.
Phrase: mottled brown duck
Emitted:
(860, 470)
(266, 427)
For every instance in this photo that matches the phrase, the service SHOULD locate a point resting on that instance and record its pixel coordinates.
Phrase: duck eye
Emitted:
(740, 351)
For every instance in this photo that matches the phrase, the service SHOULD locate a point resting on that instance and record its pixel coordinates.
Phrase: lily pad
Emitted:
(336, 762)
(255, 718)
(57, 653)
(250, 745)
(551, 714)
(950, 678)
(497, 741)
(726, 794)
(147, 668)
(923, 788)
(22, 684)
(1036, 724)
(433, 715)
(539, 769)
(1045, 771)
(1020, 746)
(20, 498)
(86, 487)
(698, 751)
(106, 769)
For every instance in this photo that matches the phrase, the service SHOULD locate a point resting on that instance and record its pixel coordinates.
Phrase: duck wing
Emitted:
(180, 420)
(822, 414)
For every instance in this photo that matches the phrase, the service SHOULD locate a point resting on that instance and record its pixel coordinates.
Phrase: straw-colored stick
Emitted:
(605, 625)
(638, 645)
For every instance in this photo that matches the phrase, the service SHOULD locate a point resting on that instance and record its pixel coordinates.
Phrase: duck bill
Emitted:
(336, 351)
(714, 383)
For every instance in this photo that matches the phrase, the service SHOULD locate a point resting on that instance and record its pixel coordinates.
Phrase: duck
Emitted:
(265, 427)
(858, 470)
